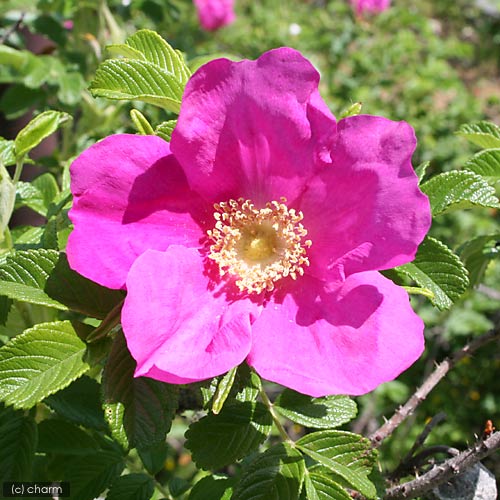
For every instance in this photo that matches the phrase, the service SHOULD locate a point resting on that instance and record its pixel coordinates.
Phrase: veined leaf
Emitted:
(7, 156)
(346, 455)
(38, 194)
(322, 487)
(213, 488)
(129, 79)
(40, 362)
(439, 270)
(483, 134)
(131, 487)
(219, 440)
(149, 46)
(43, 277)
(7, 199)
(319, 413)
(457, 190)
(37, 130)
(165, 129)
(60, 437)
(486, 164)
(276, 474)
(223, 389)
(139, 410)
(18, 439)
(478, 253)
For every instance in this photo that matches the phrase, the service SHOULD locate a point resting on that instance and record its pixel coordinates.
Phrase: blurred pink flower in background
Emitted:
(257, 234)
(370, 6)
(215, 14)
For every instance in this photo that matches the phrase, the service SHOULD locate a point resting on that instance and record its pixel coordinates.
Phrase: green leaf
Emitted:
(458, 190)
(219, 440)
(37, 130)
(476, 254)
(321, 487)
(213, 488)
(38, 194)
(131, 487)
(79, 403)
(223, 389)
(165, 129)
(421, 170)
(483, 134)
(319, 413)
(40, 362)
(18, 439)
(153, 457)
(439, 270)
(353, 110)
(149, 46)
(346, 455)
(277, 474)
(140, 410)
(7, 156)
(7, 200)
(43, 277)
(60, 437)
(128, 79)
(90, 475)
(141, 123)
(486, 164)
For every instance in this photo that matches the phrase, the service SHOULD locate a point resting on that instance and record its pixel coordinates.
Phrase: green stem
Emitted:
(275, 416)
(18, 171)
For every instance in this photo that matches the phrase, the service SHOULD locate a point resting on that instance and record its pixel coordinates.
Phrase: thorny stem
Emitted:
(446, 470)
(432, 380)
(275, 416)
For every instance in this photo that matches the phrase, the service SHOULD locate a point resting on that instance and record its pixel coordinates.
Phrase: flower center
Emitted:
(258, 246)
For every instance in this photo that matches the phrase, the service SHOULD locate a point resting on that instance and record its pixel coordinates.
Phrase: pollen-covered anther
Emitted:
(258, 246)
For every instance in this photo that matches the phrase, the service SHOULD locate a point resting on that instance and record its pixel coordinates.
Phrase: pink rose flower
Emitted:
(370, 6)
(257, 233)
(215, 14)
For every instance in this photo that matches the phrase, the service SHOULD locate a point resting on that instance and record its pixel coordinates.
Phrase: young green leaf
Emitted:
(439, 270)
(140, 410)
(346, 455)
(486, 164)
(477, 253)
(79, 403)
(483, 134)
(321, 487)
(353, 110)
(458, 190)
(213, 488)
(165, 129)
(421, 170)
(319, 413)
(7, 200)
(18, 440)
(38, 194)
(131, 487)
(129, 79)
(40, 362)
(219, 440)
(276, 474)
(37, 130)
(43, 276)
(7, 156)
(223, 389)
(141, 123)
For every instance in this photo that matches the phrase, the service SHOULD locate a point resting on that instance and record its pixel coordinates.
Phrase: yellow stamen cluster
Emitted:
(258, 246)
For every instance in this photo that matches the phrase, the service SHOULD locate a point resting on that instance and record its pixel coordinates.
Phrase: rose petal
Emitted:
(366, 212)
(215, 14)
(129, 195)
(343, 341)
(253, 129)
(178, 327)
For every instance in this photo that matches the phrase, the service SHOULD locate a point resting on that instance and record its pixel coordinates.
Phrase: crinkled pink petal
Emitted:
(253, 129)
(366, 212)
(130, 194)
(370, 6)
(179, 328)
(214, 14)
(343, 341)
